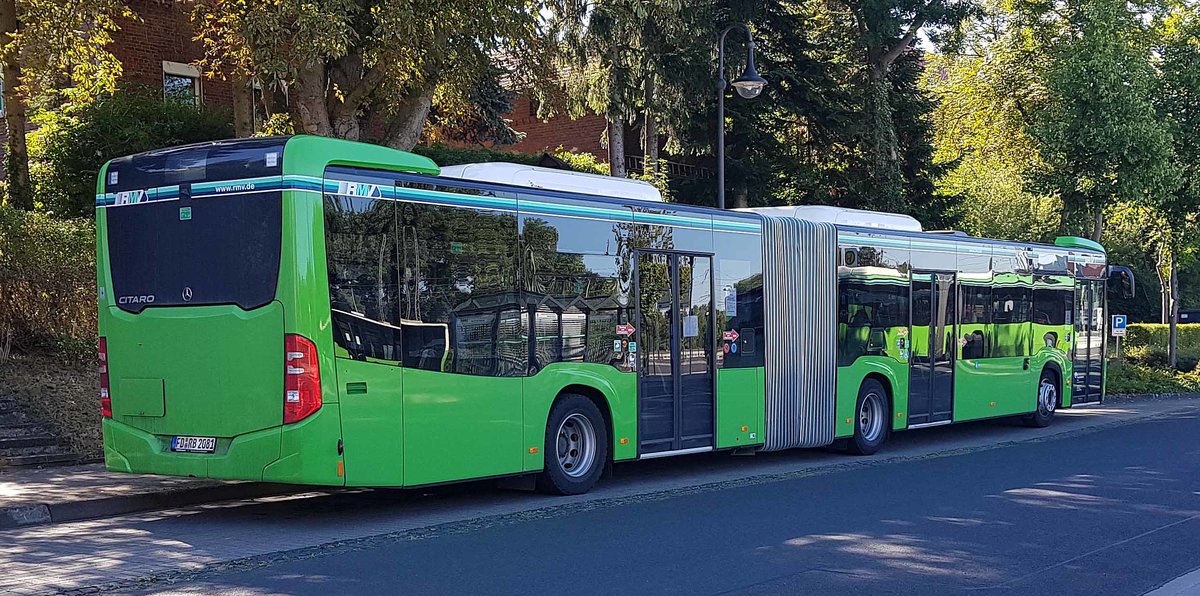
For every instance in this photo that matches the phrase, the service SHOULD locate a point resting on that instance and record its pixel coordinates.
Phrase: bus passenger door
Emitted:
(675, 364)
(931, 372)
(1088, 345)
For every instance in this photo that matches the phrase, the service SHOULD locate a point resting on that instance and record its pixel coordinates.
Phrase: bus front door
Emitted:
(931, 373)
(675, 353)
(1088, 346)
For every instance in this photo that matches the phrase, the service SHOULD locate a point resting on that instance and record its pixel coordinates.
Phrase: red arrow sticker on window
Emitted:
(625, 329)
(731, 335)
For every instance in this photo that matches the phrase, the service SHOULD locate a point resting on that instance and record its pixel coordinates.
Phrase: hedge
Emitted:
(68, 148)
(1156, 334)
(1146, 344)
(47, 281)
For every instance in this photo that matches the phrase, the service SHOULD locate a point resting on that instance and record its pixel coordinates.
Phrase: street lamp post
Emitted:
(749, 86)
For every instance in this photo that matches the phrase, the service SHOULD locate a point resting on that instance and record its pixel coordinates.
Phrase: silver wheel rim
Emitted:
(575, 446)
(1047, 398)
(870, 417)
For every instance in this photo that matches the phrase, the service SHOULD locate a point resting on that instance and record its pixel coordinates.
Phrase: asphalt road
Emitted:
(1113, 511)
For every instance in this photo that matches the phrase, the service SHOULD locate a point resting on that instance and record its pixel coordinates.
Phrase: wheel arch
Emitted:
(597, 397)
(887, 386)
(1054, 368)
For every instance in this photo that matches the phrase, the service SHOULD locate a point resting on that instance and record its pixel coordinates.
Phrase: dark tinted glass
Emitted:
(206, 162)
(1052, 306)
(975, 321)
(871, 316)
(360, 247)
(216, 250)
(459, 283)
(1011, 309)
(576, 299)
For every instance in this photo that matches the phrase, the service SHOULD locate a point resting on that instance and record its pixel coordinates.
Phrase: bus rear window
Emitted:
(214, 250)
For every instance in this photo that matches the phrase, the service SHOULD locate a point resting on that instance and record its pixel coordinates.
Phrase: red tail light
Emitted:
(301, 379)
(105, 398)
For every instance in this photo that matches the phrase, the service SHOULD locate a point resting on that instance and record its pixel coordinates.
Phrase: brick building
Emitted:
(159, 49)
(578, 135)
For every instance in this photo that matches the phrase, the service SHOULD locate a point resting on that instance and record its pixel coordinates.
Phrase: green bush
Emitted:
(69, 147)
(1130, 378)
(1146, 345)
(1154, 334)
(47, 280)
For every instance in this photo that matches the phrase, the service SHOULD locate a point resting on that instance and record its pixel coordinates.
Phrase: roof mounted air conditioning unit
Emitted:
(516, 174)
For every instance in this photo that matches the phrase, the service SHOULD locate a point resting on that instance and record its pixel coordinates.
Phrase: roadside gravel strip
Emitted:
(644, 482)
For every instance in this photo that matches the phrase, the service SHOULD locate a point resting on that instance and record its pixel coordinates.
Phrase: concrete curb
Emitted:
(32, 514)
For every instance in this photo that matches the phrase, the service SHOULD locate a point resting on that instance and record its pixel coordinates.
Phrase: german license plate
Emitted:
(194, 444)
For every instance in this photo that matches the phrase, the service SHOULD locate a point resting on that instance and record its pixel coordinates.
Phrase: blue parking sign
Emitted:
(1119, 323)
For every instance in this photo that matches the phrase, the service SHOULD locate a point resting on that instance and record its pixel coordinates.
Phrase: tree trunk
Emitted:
(650, 132)
(404, 128)
(616, 146)
(741, 196)
(1098, 224)
(243, 106)
(16, 161)
(306, 102)
(1164, 289)
(1173, 334)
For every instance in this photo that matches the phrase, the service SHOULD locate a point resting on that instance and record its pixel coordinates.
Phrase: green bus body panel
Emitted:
(617, 388)
(1077, 242)
(309, 156)
(850, 379)
(739, 404)
(460, 426)
(309, 450)
(219, 367)
(372, 405)
(990, 387)
(127, 449)
(1059, 353)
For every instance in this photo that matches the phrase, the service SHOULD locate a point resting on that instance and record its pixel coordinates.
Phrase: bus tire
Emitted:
(872, 418)
(1047, 401)
(576, 447)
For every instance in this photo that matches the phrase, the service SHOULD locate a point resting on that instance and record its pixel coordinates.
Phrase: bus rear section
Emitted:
(199, 375)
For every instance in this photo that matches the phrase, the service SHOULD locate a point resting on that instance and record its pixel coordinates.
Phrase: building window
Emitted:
(181, 82)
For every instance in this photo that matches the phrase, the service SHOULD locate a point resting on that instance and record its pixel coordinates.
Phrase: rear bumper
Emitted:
(302, 453)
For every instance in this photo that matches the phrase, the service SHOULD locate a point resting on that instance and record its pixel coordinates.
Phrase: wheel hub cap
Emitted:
(576, 445)
(871, 417)
(1047, 398)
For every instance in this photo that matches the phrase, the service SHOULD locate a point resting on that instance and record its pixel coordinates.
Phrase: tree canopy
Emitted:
(376, 69)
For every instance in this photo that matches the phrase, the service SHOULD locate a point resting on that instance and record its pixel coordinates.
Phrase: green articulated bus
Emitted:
(317, 311)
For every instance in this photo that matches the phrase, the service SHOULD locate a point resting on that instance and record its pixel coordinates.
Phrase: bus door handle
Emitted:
(356, 388)
(1026, 366)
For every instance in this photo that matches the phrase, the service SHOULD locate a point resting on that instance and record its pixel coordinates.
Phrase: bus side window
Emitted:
(360, 249)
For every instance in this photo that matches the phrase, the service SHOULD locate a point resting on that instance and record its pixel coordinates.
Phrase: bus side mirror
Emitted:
(1125, 275)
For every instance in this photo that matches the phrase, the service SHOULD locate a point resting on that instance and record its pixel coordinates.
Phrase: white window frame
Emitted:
(180, 69)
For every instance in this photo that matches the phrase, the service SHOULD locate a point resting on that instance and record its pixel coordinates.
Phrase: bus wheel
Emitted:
(1047, 401)
(576, 447)
(872, 419)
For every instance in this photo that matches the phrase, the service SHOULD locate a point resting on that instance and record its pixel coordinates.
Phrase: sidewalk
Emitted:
(68, 493)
